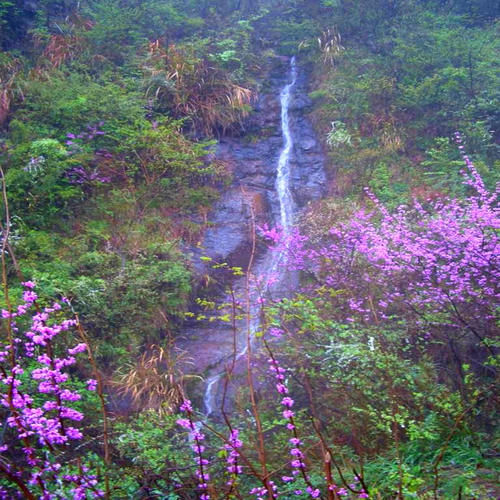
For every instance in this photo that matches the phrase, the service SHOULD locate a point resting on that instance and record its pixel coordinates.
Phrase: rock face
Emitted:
(308, 175)
(254, 159)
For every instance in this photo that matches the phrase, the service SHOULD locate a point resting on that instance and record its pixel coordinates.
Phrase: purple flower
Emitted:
(91, 384)
(77, 349)
(281, 388)
(186, 406)
(45, 424)
(29, 296)
(315, 493)
(276, 332)
(184, 422)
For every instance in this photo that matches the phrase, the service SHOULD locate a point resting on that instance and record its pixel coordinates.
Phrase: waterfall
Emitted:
(273, 261)
(210, 391)
(283, 176)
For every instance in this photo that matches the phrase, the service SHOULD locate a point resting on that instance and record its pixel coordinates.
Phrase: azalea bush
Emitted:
(435, 263)
(41, 424)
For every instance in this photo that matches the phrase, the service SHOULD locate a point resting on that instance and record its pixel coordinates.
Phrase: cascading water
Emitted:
(210, 390)
(283, 175)
(272, 264)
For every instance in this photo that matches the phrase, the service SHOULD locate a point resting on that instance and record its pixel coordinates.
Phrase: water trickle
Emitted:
(210, 391)
(273, 261)
(283, 175)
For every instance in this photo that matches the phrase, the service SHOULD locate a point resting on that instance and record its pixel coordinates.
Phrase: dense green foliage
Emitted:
(400, 98)
(110, 111)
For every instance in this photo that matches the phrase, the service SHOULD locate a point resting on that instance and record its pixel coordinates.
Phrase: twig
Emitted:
(100, 393)
(255, 410)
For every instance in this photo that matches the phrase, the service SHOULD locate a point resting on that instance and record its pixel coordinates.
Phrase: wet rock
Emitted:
(300, 103)
(253, 159)
(262, 182)
(229, 226)
(307, 144)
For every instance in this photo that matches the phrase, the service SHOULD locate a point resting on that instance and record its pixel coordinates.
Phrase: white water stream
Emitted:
(283, 176)
(273, 264)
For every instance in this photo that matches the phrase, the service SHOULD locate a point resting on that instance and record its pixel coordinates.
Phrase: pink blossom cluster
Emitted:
(80, 174)
(292, 244)
(297, 461)
(438, 260)
(39, 425)
(90, 133)
(261, 492)
(231, 447)
(196, 437)
(354, 487)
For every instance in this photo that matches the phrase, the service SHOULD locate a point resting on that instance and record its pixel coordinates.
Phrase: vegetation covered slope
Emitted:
(110, 111)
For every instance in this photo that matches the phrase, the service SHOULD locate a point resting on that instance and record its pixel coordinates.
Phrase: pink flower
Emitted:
(186, 406)
(281, 388)
(91, 384)
(184, 422)
(275, 332)
(29, 296)
(315, 493)
(77, 349)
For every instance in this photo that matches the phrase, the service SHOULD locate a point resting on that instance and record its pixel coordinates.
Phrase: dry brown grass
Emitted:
(330, 45)
(193, 88)
(154, 381)
(9, 88)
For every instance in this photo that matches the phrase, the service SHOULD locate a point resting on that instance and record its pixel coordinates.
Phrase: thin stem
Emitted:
(13, 477)
(255, 409)
(5, 239)
(102, 400)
